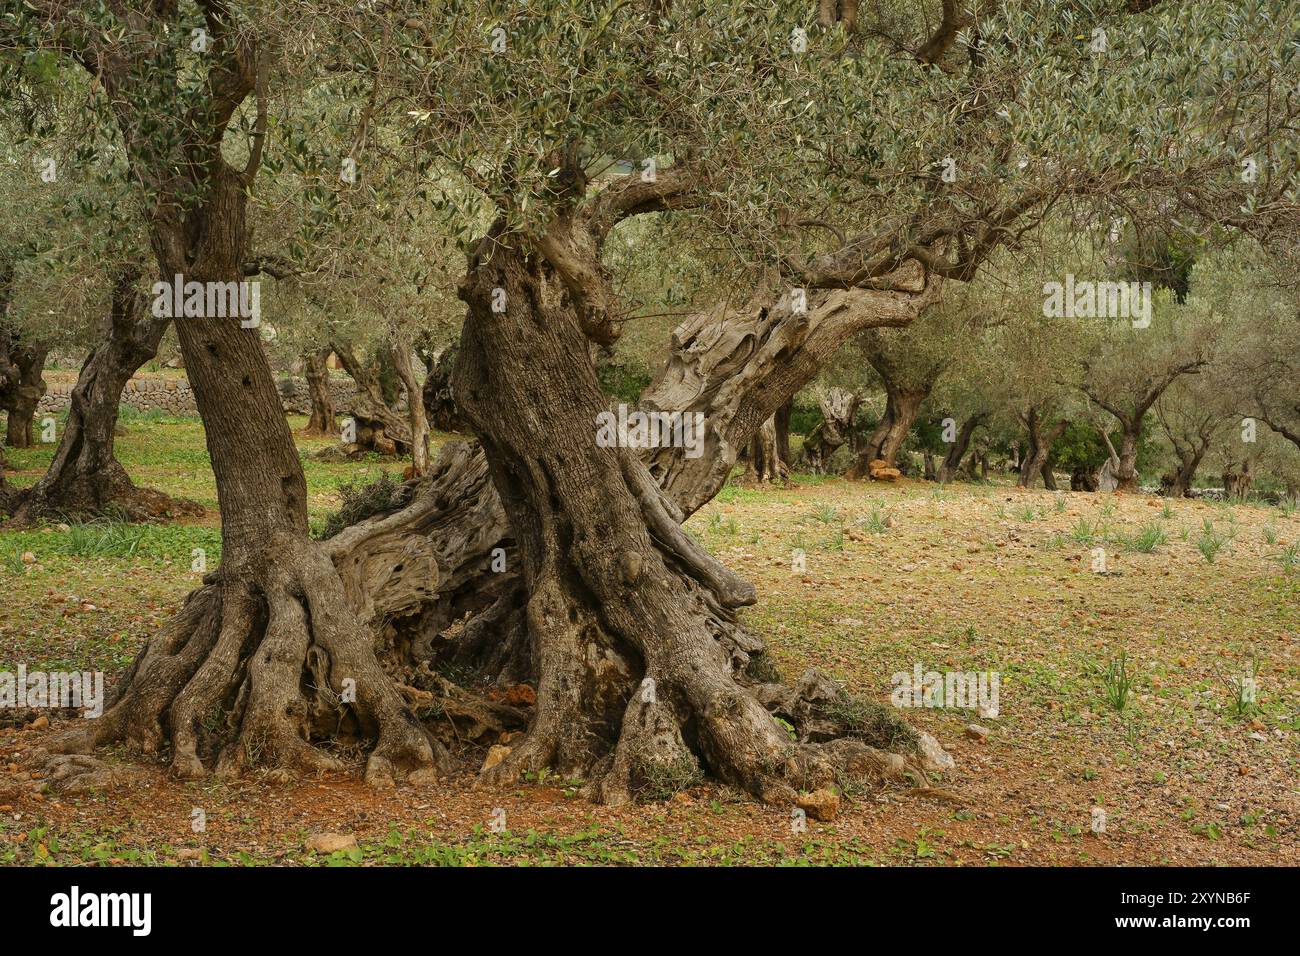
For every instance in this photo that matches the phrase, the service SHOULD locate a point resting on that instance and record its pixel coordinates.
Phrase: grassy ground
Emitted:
(968, 578)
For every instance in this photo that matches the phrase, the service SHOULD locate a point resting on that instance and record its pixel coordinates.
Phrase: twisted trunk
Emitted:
(1043, 431)
(1237, 483)
(379, 428)
(901, 408)
(839, 408)
(1189, 460)
(639, 659)
(439, 400)
(957, 450)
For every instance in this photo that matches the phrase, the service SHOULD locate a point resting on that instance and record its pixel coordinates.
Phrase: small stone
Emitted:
(976, 732)
(496, 753)
(933, 756)
(331, 842)
(821, 805)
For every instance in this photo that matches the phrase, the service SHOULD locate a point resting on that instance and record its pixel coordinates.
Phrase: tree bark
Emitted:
(901, 409)
(378, 427)
(640, 660)
(1043, 431)
(1189, 460)
(765, 454)
(275, 652)
(415, 410)
(85, 477)
(27, 388)
(317, 374)
(839, 408)
(439, 400)
(957, 450)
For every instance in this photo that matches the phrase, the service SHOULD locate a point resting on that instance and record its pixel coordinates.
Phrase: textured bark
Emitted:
(738, 367)
(839, 407)
(957, 450)
(85, 477)
(317, 374)
(638, 653)
(273, 658)
(23, 386)
(901, 408)
(1044, 429)
(765, 454)
(379, 428)
(439, 400)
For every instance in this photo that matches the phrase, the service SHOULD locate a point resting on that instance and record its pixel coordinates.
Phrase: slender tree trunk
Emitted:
(1127, 476)
(415, 410)
(317, 374)
(931, 469)
(782, 422)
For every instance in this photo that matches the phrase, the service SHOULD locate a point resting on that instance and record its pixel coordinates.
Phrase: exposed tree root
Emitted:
(261, 674)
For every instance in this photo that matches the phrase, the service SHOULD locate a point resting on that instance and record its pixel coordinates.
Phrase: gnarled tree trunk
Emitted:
(1189, 459)
(1043, 431)
(439, 400)
(378, 427)
(1237, 482)
(957, 450)
(26, 386)
(839, 408)
(272, 660)
(901, 408)
(640, 661)
(85, 476)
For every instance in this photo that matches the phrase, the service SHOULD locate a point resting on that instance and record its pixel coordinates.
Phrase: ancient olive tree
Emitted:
(819, 158)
